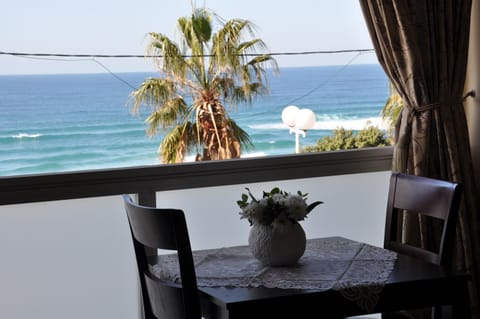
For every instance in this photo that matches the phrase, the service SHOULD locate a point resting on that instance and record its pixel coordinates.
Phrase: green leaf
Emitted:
(251, 195)
(275, 190)
(313, 205)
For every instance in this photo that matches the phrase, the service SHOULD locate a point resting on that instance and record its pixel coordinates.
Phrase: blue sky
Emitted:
(120, 26)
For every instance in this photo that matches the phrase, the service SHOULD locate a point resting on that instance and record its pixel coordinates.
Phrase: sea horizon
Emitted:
(113, 73)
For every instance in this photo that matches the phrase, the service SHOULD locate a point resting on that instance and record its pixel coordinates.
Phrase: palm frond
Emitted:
(240, 134)
(255, 69)
(153, 92)
(247, 93)
(230, 67)
(202, 26)
(251, 46)
(177, 143)
(173, 61)
(391, 110)
(173, 111)
(189, 39)
(197, 32)
(225, 43)
(224, 85)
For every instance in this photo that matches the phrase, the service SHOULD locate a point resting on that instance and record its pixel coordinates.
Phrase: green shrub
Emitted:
(343, 139)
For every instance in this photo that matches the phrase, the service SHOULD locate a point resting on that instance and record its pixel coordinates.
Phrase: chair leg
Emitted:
(442, 312)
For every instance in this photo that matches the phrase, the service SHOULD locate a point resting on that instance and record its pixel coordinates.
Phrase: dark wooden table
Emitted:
(412, 284)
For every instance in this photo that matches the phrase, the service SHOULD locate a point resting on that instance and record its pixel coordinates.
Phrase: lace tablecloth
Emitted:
(357, 270)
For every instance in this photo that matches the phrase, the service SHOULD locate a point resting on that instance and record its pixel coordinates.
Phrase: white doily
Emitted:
(357, 270)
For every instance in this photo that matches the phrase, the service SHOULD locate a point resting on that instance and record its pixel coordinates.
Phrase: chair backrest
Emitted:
(429, 197)
(153, 229)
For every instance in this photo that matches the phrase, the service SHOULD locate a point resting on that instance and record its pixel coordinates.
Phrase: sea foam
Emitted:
(349, 124)
(26, 135)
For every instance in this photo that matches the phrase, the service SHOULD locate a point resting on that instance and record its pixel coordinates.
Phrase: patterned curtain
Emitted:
(422, 46)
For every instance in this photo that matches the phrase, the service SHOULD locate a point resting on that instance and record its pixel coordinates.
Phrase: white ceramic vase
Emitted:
(277, 246)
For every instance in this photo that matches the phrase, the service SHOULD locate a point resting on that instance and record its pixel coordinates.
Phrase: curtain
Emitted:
(422, 45)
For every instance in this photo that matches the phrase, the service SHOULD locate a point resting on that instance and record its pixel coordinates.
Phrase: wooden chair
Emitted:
(434, 198)
(429, 197)
(152, 229)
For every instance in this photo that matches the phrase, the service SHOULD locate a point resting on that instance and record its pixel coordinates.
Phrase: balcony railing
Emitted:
(65, 244)
(146, 181)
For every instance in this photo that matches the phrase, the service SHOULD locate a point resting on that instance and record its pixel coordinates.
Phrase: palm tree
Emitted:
(391, 111)
(201, 74)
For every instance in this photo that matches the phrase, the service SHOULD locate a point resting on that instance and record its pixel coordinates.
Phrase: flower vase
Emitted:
(277, 245)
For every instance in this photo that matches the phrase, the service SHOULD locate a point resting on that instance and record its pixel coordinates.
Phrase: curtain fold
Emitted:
(423, 47)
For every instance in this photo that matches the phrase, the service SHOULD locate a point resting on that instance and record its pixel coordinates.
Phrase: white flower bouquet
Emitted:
(275, 207)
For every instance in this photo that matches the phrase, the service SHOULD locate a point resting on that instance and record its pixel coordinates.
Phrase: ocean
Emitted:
(71, 122)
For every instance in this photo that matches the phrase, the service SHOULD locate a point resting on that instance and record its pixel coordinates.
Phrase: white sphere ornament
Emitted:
(305, 119)
(289, 115)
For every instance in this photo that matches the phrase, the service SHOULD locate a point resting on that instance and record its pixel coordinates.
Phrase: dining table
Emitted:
(335, 277)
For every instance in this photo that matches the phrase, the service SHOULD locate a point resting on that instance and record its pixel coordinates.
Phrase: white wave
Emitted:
(253, 154)
(191, 158)
(269, 126)
(331, 124)
(356, 124)
(26, 135)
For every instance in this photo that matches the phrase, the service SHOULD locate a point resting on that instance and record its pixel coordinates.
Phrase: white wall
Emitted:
(74, 259)
(472, 106)
(66, 259)
(354, 207)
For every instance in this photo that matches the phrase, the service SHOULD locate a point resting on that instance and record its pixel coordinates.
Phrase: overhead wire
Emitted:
(113, 74)
(94, 57)
(68, 59)
(76, 55)
(326, 80)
